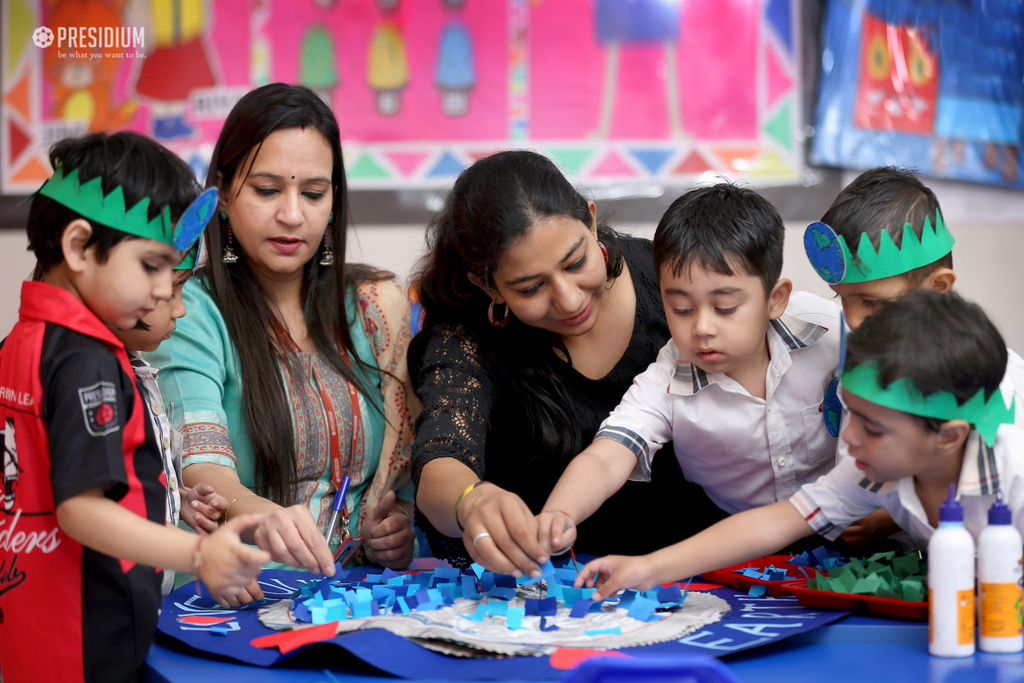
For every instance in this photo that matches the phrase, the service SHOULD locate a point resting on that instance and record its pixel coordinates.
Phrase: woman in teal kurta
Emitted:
(289, 371)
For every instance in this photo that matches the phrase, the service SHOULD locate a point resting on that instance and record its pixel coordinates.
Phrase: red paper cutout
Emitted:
(286, 641)
(203, 621)
(694, 586)
(571, 657)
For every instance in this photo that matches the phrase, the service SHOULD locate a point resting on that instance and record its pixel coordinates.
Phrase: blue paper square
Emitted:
(514, 618)
(580, 608)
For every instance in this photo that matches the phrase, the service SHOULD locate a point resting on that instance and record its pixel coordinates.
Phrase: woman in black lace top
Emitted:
(537, 318)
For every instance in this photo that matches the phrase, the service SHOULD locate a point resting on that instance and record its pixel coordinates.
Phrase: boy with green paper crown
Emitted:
(84, 482)
(921, 384)
(882, 237)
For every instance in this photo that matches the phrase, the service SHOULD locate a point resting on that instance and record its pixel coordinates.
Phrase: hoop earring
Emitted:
(229, 255)
(327, 257)
(497, 322)
(604, 251)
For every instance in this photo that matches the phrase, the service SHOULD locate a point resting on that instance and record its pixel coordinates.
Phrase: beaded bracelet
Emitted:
(459, 500)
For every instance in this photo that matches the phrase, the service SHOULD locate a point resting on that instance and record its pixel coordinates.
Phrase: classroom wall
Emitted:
(988, 224)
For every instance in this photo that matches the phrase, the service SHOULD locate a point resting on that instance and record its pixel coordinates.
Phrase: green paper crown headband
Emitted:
(88, 199)
(986, 416)
(834, 263)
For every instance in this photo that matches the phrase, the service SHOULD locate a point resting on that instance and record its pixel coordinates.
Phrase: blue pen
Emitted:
(339, 503)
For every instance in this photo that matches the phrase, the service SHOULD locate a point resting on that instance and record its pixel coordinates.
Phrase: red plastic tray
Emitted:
(904, 609)
(727, 575)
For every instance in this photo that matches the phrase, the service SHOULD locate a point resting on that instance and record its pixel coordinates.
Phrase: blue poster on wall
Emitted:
(935, 85)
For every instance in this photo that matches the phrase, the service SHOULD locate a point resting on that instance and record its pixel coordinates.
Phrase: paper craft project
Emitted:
(485, 615)
(885, 575)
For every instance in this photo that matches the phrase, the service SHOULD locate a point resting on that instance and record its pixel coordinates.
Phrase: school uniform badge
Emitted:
(99, 408)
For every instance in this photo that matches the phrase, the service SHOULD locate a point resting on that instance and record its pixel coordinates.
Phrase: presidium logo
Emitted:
(42, 37)
(92, 38)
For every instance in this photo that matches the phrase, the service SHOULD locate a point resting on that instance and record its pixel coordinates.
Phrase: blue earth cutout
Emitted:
(831, 408)
(826, 255)
(194, 220)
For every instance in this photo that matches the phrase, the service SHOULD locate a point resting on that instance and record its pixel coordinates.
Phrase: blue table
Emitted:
(857, 649)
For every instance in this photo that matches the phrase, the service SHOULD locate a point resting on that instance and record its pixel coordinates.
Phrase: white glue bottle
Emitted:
(951, 584)
(1000, 561)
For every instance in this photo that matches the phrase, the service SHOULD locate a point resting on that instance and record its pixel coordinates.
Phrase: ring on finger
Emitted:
(479, 536)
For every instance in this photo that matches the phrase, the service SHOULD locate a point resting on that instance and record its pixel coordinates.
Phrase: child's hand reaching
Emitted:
(556, 532)
(613, 573)
(202, 507)
(229, 567)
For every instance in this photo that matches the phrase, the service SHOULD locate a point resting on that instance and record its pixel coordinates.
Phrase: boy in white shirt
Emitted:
(740, 388)
(882, 208)
(921, 385)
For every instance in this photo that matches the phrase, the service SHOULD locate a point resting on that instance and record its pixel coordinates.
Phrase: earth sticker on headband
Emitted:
(825, 252)
(193, 221)
(830, 255)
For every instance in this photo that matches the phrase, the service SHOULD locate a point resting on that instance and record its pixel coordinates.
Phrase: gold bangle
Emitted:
(459, 500)
(240, 495)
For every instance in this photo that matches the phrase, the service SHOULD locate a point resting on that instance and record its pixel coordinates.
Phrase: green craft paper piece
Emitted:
(907, 565)
(912, 590)
(874, 567)
(866, 585)
(882, 557)
(846, 579)
(886, 593)
(985, 415)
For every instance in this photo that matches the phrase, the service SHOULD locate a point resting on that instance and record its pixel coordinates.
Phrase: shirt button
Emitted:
(167, 443)
(782, 462)
(156, 407)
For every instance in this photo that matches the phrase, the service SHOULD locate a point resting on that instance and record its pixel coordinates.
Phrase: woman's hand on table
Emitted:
(390, 539)
(291, 537)
(500, 531)
(556, 532)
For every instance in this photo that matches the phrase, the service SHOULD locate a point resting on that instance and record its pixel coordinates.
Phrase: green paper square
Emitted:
(907, 565)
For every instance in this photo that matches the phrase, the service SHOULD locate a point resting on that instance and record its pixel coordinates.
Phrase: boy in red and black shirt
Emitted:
(84, 507)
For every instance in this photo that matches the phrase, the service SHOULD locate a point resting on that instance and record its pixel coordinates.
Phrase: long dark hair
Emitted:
(244, 303)
(495, 202)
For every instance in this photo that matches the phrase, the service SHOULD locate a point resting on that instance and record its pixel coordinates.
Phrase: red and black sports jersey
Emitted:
(71, 419)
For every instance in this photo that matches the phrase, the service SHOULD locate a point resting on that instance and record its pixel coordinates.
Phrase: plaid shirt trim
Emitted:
(813, 515)
(796, 333)
(980, 473)
(631, 440)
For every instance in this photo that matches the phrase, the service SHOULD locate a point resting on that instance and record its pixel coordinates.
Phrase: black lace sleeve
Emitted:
(457, 393)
